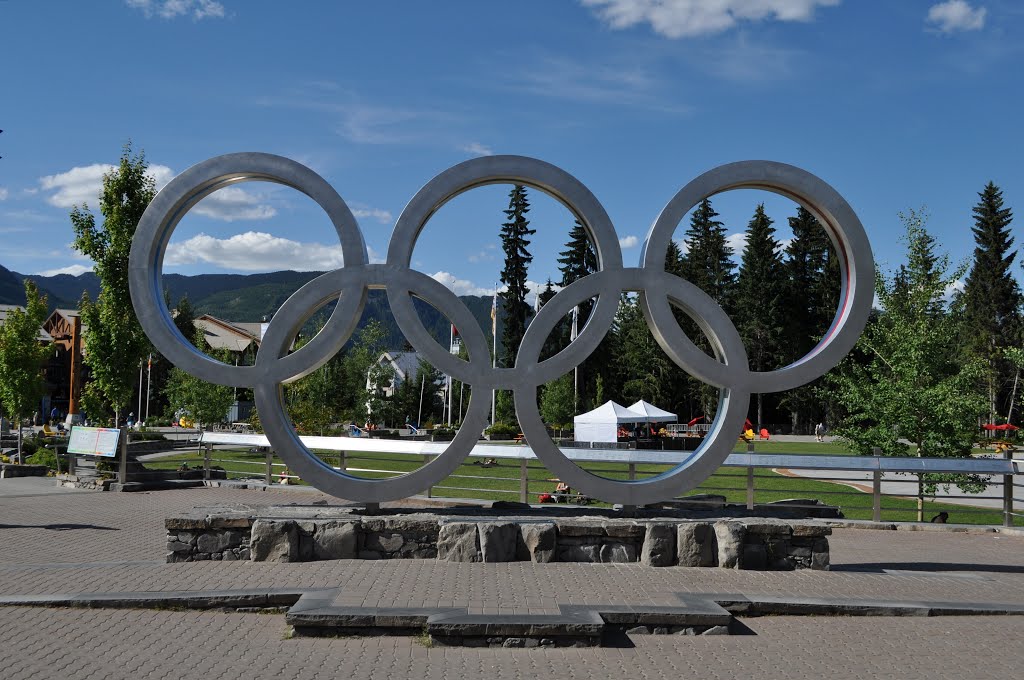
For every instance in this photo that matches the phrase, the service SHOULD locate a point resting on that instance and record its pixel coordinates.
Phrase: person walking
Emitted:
(819, 432)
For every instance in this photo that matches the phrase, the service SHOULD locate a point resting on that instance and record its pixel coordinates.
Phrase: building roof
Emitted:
(43, 336)
(220, 334)
(406, 364)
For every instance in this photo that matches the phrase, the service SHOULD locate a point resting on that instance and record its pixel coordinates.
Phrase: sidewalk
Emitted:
(61, 543)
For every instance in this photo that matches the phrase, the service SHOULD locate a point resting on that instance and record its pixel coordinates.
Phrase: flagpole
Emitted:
(576, 369)
(451, 342)
(494, 347)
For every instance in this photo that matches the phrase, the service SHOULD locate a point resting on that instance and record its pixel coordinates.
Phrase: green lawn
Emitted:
(502, 482)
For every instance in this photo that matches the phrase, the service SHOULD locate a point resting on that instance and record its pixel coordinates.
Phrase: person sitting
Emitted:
(562, 492)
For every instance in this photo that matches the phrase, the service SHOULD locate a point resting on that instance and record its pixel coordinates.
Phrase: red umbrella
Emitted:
(1004, 427)
(694, 421)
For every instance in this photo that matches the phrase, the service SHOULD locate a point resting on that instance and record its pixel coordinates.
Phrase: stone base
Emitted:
(8, 470)
(309, 533)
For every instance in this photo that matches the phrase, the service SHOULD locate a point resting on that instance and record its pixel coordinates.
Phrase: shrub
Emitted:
(43, 456)
(502, 429)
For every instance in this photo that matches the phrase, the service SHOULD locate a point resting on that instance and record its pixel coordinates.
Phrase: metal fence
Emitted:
(869, 487)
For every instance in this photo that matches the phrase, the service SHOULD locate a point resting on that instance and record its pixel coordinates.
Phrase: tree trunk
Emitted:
(760, 410)
(18, 421)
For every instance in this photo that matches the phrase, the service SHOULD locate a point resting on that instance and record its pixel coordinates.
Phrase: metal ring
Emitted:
(728, 419)
(845, 231)
(145, 263)
(658, 291)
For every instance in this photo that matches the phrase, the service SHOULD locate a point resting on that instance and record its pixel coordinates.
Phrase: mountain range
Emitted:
(239, 297)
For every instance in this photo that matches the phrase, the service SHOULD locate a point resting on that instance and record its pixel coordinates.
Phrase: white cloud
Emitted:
(231, 203)
(629, 242)
(83, 184)
(952, 289)
(485, 255)
(4, 193)
(477, 149)
(689, 18)
(73, 270)
(78, 185)
(382, 216)
(737, 242)
(170, 9)
(254, 251)
(956, 15)
(460, 286)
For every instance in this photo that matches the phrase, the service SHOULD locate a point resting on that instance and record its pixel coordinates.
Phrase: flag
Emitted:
(536, 304)
(575, 323)
(456, 341)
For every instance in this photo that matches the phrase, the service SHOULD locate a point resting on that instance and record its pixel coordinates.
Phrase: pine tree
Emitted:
(708, 261)
(514, 241)
(760, 297)
(579, 259)
(991, 296)
(644, 369)
(559, 336)
(708, 265)
(811, 271)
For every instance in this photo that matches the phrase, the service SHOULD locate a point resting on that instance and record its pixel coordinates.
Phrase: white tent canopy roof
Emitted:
(652, 412)
(610, 412)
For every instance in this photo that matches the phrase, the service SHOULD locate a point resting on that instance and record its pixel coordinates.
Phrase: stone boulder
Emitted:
(696, 545)
(537, 542)
(458, 542)
(274, 541)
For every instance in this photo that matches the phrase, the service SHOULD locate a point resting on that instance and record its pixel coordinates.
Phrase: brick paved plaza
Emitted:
(88, 542)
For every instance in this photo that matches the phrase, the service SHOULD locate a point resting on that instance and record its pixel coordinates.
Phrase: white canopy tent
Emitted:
(653, 413)
(602, 424)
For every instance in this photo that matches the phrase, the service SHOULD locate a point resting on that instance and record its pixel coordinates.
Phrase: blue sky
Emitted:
(898, 105)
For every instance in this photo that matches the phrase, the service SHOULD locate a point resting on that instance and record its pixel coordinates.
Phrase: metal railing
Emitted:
(863, 484)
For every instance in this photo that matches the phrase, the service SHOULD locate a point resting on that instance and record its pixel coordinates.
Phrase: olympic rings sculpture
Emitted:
(658, 291)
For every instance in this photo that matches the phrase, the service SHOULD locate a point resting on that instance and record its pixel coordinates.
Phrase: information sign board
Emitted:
(94, 441)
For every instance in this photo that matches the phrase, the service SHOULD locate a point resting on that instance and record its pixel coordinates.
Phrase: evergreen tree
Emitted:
(760, 298)
(559, 336)
(674, 259)
(579, 257)
(811, 271)
(708, 265)
(991, 296)
(578, 260)
(644, 369)
(708, 261)
(115, 345)
(514, 242)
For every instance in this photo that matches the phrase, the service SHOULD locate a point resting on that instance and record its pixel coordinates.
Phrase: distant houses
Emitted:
(65, 372)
